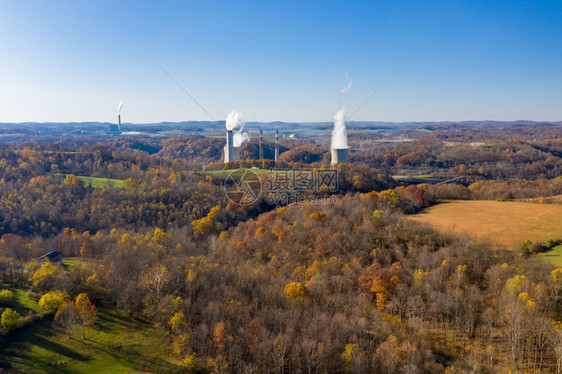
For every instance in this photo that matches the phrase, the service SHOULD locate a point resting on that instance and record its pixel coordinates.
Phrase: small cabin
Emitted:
(54, 256)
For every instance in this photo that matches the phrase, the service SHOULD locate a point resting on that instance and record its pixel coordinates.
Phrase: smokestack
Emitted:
(339, 155)
(261, 144)
(276, 145)
(119, 115)
(229, 148)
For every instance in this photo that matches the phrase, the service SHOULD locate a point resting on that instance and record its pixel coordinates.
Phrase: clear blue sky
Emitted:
(280, 60)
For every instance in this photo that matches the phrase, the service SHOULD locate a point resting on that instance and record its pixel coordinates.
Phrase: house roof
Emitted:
(51, 254)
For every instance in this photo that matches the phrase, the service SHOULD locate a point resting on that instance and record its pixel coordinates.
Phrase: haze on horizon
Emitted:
(69, 61)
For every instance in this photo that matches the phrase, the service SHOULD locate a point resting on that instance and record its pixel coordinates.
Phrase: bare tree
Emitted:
(66, 318)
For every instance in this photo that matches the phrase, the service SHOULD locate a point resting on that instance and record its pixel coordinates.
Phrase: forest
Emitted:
(350, 287)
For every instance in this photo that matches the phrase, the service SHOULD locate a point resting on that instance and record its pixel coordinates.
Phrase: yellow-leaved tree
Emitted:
(51, 301)
(296, 291)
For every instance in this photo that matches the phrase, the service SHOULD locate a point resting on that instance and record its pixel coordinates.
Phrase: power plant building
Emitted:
(115, 130)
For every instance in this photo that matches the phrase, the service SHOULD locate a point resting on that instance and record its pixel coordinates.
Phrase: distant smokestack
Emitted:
(119, 107)
(261, 144)
(276, 145)
(339, 155)
(228, 148)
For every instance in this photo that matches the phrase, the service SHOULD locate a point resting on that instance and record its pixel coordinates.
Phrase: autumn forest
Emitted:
(145, 229)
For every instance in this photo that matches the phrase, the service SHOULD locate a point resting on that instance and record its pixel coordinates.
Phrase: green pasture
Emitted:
(116, 344)
(103, 183)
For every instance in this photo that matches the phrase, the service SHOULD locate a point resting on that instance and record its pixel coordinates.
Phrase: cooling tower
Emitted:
(339, 156)
(229, 147)
(236, 154)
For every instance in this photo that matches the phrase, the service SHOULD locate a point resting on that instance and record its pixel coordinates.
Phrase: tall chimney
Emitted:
(228, 148)
(261, 144)
(276, 145)
(119, 120)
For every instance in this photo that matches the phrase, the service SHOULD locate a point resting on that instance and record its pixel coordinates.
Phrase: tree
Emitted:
(556, 285)
(6, 297)
(296, 291)
(66, 317)
(51, 301)
(155, 280)
(557, 344)
(219, 334)
(86, 312)
(48, 277)
(347, 356)
(10, 319)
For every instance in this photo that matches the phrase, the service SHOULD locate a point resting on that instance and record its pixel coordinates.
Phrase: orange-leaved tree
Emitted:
(65, 317)
(86, 311)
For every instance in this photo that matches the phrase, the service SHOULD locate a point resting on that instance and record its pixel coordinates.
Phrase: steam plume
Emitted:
(119, 107)
(339, 134)
(233, 120)
(346, 88)
(240, 137)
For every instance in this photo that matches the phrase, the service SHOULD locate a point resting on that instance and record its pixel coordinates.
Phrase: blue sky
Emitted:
(280, 60)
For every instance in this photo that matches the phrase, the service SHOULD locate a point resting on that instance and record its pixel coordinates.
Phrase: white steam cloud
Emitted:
(240, 137)
(346, 88)
(119, 107)
(339, 134)
(234, 121)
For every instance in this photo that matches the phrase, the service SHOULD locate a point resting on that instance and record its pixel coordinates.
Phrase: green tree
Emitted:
(51, 301)
(10, 319)
(6, 297)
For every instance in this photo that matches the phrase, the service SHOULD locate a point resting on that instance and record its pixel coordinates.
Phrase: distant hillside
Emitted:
(275, 124)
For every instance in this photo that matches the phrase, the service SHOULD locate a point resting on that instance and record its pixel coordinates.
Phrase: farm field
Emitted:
(506, 223)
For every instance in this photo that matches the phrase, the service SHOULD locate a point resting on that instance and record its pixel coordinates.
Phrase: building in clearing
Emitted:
(54, 256)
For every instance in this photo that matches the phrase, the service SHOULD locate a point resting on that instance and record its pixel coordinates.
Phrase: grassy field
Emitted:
(506, 223)
(117, 344)
(102, 182)
(24, 305)
(555, 255)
